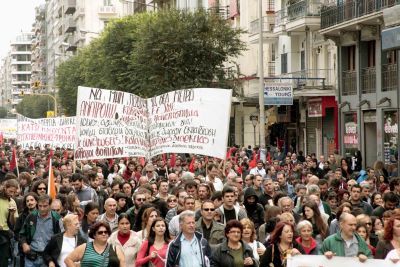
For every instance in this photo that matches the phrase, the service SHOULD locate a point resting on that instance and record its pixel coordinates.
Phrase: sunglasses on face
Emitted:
(41, 188)
(172, 200)
(209, 209)
(102, 233)
(140, 199)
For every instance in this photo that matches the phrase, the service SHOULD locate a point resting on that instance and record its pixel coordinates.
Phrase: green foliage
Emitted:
(152, 53)
(35, 106)
(3, 112)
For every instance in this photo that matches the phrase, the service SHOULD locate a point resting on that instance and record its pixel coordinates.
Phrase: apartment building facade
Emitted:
(368, 79)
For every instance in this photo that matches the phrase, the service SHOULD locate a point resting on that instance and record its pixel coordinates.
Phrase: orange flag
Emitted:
(51, 188)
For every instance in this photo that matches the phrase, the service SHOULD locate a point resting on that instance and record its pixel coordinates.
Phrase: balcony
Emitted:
(349, 78)
(319, 79)
(280, 21)
(368, 80)
(70, 7)
(106, 12)
(70, 25)
(80, 11)
(268, 26)
(78, 37)
(271, 69)
(222, 11)
(346, 15)
(305, 13)
(389, 77)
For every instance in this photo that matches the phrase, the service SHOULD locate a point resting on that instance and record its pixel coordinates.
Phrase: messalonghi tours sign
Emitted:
(114, 124)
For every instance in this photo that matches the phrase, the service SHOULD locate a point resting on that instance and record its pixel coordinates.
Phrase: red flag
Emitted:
(253, 162)
(111, 163)
(191, 165)
(173, 160)
(229, 154)
(51, 188)
(65, 154)
(13, 163)
(31, 162)
(164, 158)
(142, 161)
(1, 139)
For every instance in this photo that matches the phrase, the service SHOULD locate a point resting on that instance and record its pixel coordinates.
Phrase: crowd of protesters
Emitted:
(255, 208)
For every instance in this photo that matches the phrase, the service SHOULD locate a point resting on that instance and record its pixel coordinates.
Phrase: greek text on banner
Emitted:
(119, 124)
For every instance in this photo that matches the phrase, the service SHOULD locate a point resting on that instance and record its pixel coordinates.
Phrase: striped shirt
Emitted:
(93, 259)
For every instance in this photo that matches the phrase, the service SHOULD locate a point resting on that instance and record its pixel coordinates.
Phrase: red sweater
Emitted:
(142, 259)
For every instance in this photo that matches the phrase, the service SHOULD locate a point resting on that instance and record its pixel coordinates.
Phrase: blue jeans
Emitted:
(39, 262)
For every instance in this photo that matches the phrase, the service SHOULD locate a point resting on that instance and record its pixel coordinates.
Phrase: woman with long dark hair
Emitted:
(89, 217)
(282, 245)
(154, 249)
(311, 213)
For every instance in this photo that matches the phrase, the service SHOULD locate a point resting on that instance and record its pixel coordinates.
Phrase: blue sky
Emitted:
(16, 16)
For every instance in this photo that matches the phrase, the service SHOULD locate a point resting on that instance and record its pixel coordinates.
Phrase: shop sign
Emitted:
(278, 94)
(350, 134)
(315, 107)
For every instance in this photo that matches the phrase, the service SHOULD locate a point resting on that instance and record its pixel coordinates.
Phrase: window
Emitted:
(351, 57)
(371, 54)
(284, 63)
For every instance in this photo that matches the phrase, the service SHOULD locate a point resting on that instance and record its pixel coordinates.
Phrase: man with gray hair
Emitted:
(346, 242)
(110, 216)
(189, 248)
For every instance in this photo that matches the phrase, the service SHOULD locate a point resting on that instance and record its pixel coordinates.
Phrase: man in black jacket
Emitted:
(254, 210)
(63, 243)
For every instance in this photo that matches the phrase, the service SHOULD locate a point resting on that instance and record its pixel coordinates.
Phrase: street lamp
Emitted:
(254, 121)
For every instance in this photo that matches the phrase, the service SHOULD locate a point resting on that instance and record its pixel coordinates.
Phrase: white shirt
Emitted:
(68, 246)
(393, 254)
(218, 185)
(256, 170)
(254, 248)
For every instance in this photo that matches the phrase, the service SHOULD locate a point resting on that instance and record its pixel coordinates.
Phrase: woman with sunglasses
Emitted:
(97, 253)
(40, 187)
(154, 250)
(172, 202)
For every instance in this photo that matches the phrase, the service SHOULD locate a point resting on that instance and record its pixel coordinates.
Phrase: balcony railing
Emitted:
(222, 11)
(280, 17)
(317, 78)
(351, 9)
(349, 82)
(304, 8)
(368, 80)
(107, 10)
(70, 6)
(389, 77)
(271, 69)
(255, 25)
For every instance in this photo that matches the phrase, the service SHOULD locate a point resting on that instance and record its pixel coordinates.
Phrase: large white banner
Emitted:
(118, 124)
(9, 128)
(56, 132)
(190, 121)
(322, 261)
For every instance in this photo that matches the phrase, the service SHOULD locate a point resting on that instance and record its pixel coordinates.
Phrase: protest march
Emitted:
(131, 181)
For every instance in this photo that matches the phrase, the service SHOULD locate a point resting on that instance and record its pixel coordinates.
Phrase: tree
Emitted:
(3, 112)
(153, 53)
(35, 106)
